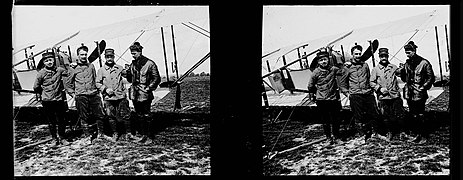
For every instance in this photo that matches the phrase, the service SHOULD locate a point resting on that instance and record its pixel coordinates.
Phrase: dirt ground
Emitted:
(352, 156)
(181, 145)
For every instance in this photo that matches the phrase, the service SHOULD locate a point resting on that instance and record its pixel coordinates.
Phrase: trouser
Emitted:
(55, 113)
(417, 110)
(393, 113)
(365, 110)
(143, 113)
(118, 114)
(329, 111)
(91, 115)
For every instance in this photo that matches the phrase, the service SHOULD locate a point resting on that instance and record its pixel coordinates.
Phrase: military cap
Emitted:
(322, 54)
(47, 55)
(109, 51)
(136, 47)
(383, 51)
(356, 46)
(410, 46)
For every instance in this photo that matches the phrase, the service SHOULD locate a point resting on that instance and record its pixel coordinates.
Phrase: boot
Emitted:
(330, 141)
(148, 141)
(417, 139)
(131, 137)
(104, 137)
(404, 136)
(389, 136)
(423, 140)
(380, 136)
(55, 141)
(64, 142)
(367, 137)
(115, 137)
(337, 140)
(142, 139)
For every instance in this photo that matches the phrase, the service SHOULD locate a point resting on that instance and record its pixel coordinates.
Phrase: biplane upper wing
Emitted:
(110, 32)
(124, 28)
(362, 36)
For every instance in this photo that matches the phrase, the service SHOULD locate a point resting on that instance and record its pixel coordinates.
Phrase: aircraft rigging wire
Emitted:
(29, 102)
(282, 130)
(416, 31)
(19, 109)
(405, 44)
(119, 44)
(192, 44)
(142, 32)
(268, 85)
(120, 57)
(265, 69)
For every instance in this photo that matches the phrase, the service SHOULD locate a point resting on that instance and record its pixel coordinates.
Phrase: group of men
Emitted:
(354, 80)
(89, 87)
(384, 116)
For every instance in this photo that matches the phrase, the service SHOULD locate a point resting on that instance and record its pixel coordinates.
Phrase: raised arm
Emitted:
(70, 88)
(99, 81)
(344, 80)
(374, 80)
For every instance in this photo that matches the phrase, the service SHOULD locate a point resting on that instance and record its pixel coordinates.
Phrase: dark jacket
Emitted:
(145, 78)
(356, 79)
(49, 82)
(385, 77)
(324, 83)
(81, 80)
(111, 77)
(418, 76)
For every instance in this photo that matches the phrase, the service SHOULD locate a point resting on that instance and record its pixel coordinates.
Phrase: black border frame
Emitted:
(236, 36)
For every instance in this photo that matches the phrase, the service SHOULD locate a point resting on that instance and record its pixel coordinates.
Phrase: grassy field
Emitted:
(352, 156)
(181, 144)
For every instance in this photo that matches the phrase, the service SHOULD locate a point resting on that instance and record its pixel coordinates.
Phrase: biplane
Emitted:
(286, 70)
(152, 31)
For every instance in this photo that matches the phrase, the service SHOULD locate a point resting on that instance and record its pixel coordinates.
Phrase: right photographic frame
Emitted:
(356, 90)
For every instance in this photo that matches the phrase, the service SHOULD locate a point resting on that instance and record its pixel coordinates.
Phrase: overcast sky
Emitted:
(36, 23)
(286, 25)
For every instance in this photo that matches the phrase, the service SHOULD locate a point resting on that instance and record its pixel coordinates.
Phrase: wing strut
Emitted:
(191, 69)
(305, 56)
(165, 56)
(199, 27)
(196, 30)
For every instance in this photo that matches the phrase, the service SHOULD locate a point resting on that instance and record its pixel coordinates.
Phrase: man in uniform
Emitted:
(418, 76)
(110, 83)
(323, 83)
(82, 86)
(356, 86)
(144, 76)
(384, 81)
(49, 83)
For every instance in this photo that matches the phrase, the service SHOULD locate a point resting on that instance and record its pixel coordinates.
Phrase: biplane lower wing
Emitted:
(301, 78)
(301, 99)
(26, 79)
(31, 99)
